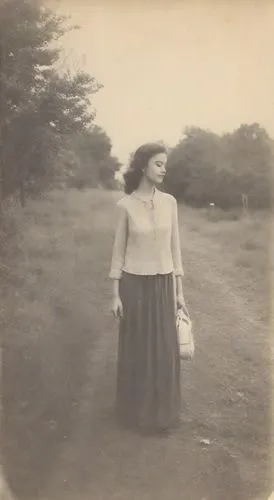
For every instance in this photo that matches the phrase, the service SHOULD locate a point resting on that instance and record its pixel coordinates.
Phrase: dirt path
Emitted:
(226, 394)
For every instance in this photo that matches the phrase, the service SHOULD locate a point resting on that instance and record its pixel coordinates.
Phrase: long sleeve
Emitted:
(175, 242)
(120, 243)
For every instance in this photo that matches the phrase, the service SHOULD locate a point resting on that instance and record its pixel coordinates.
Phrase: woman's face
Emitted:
(156, 168)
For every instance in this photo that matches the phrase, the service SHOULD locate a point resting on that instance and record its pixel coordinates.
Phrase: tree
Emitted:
(205, 168)
(95, 165)
(192, 166)
(40, 105)
(247, 164)
(108, 169)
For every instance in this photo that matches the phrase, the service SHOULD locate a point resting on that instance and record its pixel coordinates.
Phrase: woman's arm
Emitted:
(175, 242)
(115, 288)
(179, 286)
(119, 247)
(176, 255)
(117, 261)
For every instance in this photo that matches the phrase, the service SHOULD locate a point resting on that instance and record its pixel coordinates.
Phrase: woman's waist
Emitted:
(148, 251)
(157, 266)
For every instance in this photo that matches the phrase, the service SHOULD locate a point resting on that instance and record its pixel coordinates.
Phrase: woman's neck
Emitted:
(145, 188)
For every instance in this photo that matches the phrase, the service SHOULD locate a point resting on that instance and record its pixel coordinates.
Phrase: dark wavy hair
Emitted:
(139, 161)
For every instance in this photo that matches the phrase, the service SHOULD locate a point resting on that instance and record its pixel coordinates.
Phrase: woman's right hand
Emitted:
(117, 307)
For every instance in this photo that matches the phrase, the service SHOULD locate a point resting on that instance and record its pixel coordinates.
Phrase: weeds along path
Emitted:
(61, 440)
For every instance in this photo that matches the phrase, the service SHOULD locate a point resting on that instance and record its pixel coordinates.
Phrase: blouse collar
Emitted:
(146, 199)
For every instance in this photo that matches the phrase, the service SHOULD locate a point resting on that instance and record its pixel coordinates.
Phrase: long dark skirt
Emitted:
(148, 378)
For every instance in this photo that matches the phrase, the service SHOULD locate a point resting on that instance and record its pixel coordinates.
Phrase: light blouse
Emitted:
(147, 240)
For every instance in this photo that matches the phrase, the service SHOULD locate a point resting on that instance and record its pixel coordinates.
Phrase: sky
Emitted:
(170, 64)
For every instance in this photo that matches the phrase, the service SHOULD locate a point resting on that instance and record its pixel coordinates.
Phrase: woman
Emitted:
(146, 257)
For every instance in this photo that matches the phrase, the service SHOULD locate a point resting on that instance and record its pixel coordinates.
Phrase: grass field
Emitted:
(59, 352)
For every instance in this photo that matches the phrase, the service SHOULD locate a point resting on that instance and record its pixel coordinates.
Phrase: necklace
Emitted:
(146, 199)
(149, 204)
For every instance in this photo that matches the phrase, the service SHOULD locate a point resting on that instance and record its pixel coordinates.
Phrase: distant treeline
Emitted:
(207, 168)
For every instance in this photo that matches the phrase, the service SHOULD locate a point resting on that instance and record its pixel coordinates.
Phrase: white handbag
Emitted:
(185, 335)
